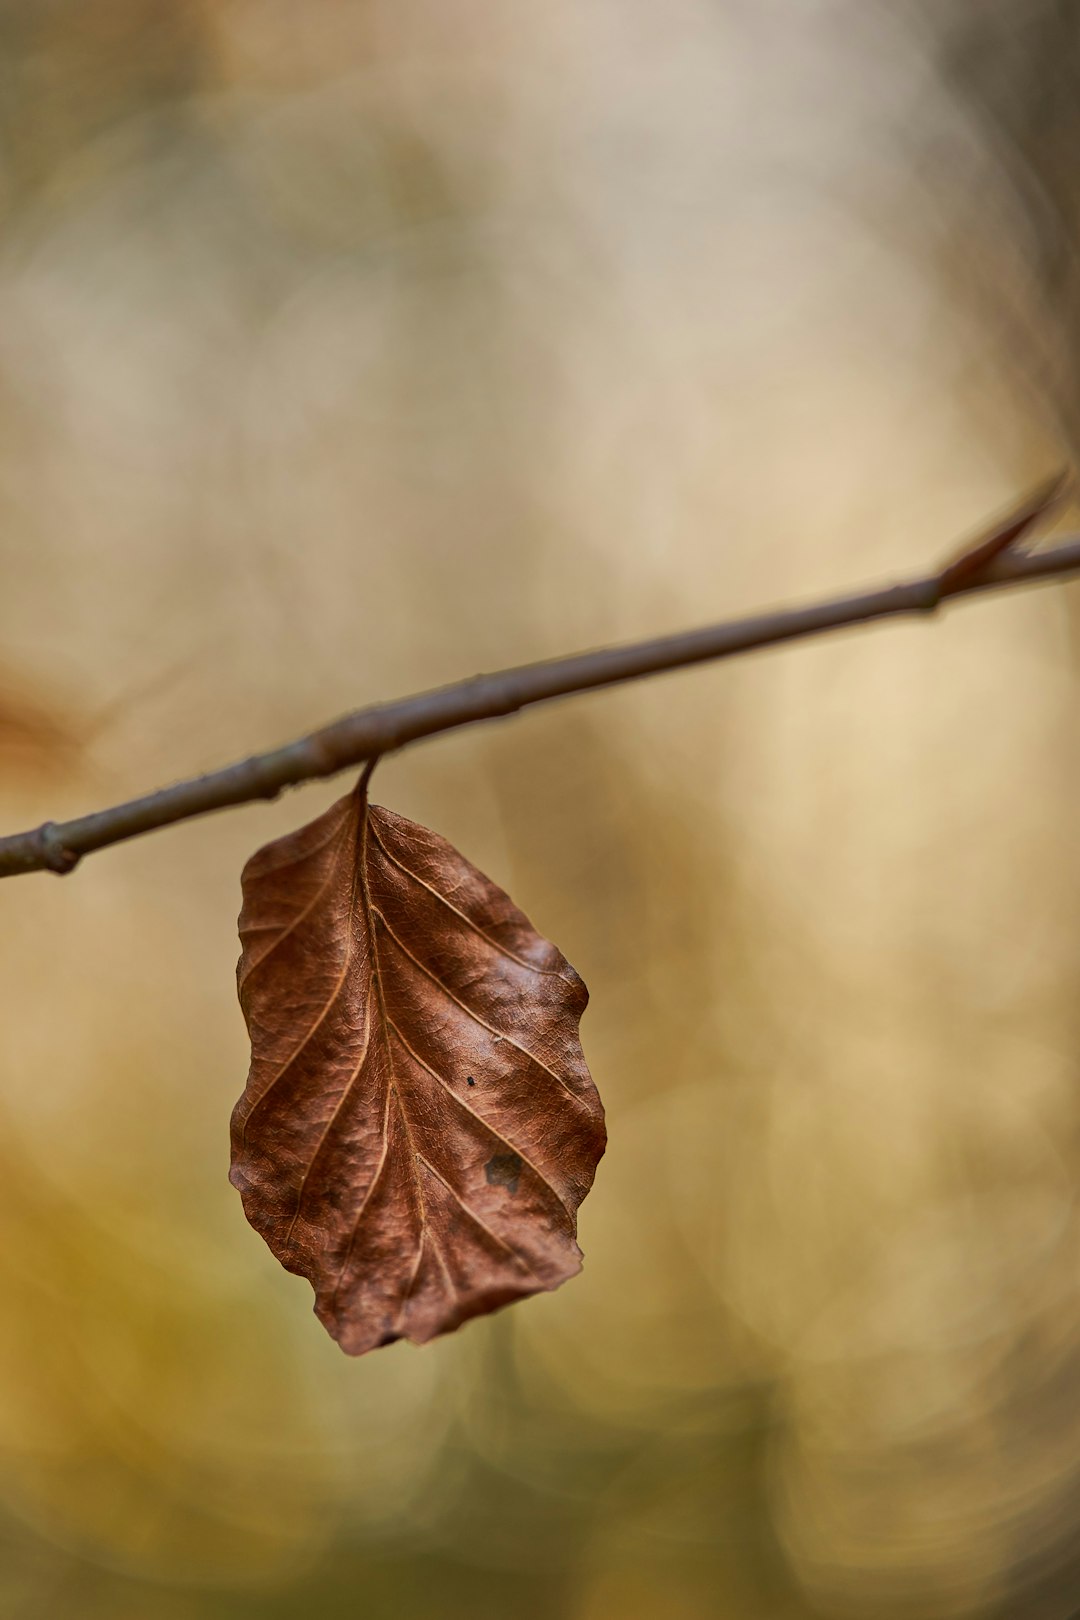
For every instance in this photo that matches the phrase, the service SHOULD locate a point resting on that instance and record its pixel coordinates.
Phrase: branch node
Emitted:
(931, 594)
(55, 853)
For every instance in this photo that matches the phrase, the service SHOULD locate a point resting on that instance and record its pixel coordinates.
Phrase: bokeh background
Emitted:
(349, 348)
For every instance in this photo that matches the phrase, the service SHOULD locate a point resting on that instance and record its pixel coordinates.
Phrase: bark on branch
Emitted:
(989, 564)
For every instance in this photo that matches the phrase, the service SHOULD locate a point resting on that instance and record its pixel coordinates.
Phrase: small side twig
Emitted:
(975, 559)
(992, 563)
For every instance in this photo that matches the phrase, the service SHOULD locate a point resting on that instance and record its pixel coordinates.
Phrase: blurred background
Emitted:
(351, 348)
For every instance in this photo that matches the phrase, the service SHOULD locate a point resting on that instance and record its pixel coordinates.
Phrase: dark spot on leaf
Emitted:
(469, 1081)
(503, 1170)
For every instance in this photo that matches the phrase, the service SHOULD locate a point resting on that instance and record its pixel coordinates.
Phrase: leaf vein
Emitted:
(540, 1064)
(462, 1103)
(497, 945)
(306, 911)
(515, 1254)
(368, 1195)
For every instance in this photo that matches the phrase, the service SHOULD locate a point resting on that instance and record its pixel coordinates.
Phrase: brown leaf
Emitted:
(419, 1126)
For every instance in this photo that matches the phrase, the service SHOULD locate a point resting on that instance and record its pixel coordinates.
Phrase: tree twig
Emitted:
(990, 564)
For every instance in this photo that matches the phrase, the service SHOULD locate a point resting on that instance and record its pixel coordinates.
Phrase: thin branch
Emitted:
(991, 564)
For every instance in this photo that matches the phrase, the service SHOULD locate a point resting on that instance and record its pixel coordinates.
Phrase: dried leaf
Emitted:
(419, 1126)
